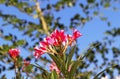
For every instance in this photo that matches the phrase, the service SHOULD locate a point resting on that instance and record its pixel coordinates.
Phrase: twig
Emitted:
(40, 14)
(86, 54)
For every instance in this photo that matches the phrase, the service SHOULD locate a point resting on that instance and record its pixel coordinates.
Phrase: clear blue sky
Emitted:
(92, 30)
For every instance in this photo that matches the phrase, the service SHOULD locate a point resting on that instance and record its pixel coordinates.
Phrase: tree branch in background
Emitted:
(40, 14)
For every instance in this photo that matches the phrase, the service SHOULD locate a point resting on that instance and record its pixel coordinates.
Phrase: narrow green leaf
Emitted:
(45, 74)
(2, 1)
(73, 69)
(96, 77)
(56, 60)
(86, 54)
(69, 58)
(39, 67)
(20, 42)
(54, 75)
(8, 37)
(59, 62)
(28, 68)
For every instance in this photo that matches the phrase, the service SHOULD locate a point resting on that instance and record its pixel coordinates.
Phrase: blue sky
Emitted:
(92, 30)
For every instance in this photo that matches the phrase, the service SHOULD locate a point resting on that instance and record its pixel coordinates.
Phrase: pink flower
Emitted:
(38, 52)
(50, 40)
(70, 66)
(14, 52)
(41, 50)
(44, 44)
(76, 34)
(72, 38)
(57, 38)
(54, 67)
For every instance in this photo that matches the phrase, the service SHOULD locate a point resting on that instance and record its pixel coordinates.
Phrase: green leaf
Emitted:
(73, 69)
(106, 5)
(59, 62)
(91, 47)
(45, 74)
(90, 1)
(2, 1)
(20, 42)
(28, 68)
(19, 61)
(39, 67)
(54, 75)
(96, 77)
(69, 57)
(8, 37)
(5, 48)
(55, 59)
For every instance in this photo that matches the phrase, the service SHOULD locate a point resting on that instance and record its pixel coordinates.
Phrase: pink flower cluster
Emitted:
(56, 39)
(14, 52)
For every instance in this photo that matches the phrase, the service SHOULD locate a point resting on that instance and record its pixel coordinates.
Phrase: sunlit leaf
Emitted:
(54, 75)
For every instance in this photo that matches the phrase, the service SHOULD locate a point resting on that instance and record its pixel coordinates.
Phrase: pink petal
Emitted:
(76, 34)
(14, 52)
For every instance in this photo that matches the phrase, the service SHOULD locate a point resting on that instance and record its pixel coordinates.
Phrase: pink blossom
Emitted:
(57, 38)
(70, 39)
(76, 34)
(54, 67)
(49, 40)
(38, 52)
(70, 66)
(14, 52)
(41, 50)
(44, 44)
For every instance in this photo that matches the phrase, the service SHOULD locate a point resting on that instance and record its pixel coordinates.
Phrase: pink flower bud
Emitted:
(38, 52)
(76, 34)
(14, 52)
(26, 63)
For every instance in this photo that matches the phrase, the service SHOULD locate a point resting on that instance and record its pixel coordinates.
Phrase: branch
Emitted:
(40, 14)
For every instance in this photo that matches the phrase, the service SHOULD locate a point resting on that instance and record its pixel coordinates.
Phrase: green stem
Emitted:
(64, 50)
(15, 64)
